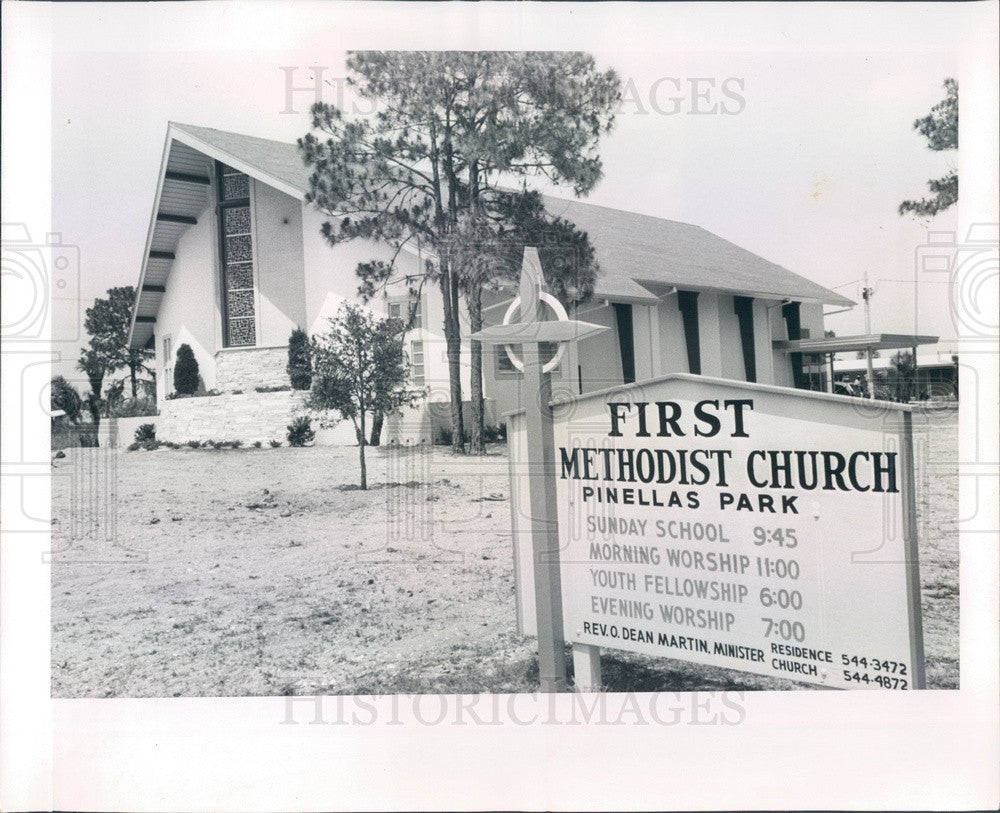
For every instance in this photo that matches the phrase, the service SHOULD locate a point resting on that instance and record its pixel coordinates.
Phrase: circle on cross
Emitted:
(561, 315)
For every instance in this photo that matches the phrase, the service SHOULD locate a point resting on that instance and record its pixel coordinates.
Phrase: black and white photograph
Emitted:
(405, 404)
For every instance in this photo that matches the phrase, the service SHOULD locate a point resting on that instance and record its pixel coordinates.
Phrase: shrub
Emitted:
(274, 443)
(186, 371)
(443, 436)
(495, 434)
(145, 432)
(194, 444)
(300, 431)
(299, 360)
(134, 447)
(282, 388)
(65, 397)
(88, 436)
(207, 394)
(135, 408)
(257, 444)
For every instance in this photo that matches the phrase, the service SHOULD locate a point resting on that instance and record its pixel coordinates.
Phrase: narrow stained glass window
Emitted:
(237, 258)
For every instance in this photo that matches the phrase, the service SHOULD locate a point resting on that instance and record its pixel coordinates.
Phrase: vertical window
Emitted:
(687, 302)
(743, 305)
(626, 342)
(404, 309)
(504, 367)
(168, 363)
(417, 363)
(240, 323)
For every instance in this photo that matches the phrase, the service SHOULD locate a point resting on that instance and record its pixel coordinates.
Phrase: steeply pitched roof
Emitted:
(276, 160)
(641, 256)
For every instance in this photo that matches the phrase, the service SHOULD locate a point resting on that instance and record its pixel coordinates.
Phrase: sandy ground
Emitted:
(265, 571)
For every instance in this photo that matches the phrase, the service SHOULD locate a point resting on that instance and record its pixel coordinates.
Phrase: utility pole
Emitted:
(866, 295)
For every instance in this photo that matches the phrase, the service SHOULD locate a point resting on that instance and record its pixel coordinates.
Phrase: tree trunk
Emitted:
(132, 376)
(376, 437)
(453, 342)
(361, 452)
(475, 305)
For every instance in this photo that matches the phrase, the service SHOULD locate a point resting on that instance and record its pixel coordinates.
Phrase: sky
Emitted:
(803, 160)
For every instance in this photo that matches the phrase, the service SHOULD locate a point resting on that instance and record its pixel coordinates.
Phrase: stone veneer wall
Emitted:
(243, 368)
(248, 417)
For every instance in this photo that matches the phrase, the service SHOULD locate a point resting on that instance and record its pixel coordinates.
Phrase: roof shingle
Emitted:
(638, 254)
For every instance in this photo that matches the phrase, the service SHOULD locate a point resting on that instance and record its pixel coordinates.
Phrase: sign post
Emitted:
(532, 332)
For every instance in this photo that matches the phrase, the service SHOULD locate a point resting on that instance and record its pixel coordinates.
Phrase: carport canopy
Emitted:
(851, 344)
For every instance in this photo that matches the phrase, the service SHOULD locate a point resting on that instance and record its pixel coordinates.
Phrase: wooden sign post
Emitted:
(532, 332)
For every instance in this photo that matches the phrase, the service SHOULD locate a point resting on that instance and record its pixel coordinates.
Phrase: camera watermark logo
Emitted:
(41, 282)
(973, 270)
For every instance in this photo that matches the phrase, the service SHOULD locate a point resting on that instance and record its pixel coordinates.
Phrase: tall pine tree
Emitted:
(434, 165)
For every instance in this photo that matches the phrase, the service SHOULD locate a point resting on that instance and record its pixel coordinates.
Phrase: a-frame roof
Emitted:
(641, 257)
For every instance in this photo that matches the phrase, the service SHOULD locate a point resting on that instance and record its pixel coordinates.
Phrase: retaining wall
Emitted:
(243, 368)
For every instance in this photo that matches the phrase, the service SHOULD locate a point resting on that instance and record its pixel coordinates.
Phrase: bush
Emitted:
(443, 436)
(194, 444)
(257, 444)
(65, 397)
(495, 434)
(88, 436)
(283, 388)
(145, 432)
(274, 443)
(207, 394)
(135, 408)
(299, 367)
(186, 371)
(300, 431)
(134, 447)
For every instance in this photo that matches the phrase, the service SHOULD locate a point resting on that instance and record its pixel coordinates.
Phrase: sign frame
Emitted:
(897, 420)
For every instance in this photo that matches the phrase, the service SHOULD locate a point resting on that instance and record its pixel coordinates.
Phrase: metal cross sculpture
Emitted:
(532, 332)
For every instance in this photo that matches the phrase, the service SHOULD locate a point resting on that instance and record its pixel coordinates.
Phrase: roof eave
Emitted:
(164, 159)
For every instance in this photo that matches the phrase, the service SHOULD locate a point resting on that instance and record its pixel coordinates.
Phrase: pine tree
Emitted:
(432, 167)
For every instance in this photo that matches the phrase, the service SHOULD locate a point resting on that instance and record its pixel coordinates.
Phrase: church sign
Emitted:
(744, 526)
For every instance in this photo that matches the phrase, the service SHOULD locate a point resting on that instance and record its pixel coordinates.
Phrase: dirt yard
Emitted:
(265, 571)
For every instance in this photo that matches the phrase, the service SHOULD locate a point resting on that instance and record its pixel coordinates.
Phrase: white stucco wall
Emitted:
(710, 334)
(599, 356)
(331, 278)
(673, 345)
(780, 359)
(278, 264)
(762, 310)
(189, 312)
